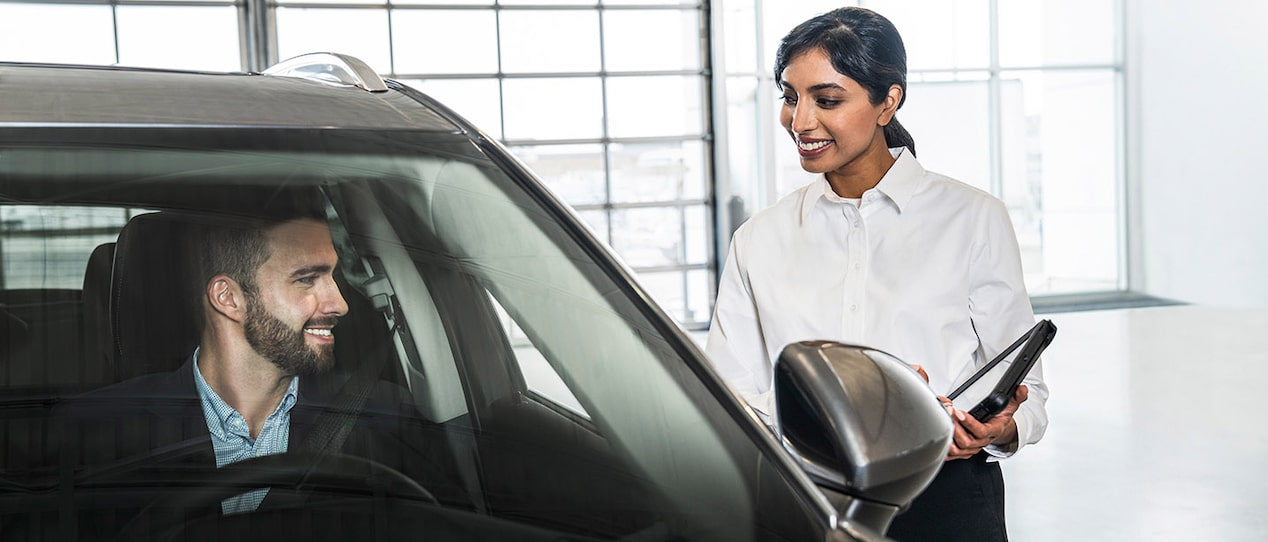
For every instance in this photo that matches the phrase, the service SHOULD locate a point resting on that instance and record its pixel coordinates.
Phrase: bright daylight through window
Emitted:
(619, 125)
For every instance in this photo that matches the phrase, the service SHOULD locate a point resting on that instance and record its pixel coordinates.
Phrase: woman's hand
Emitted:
(971, 435)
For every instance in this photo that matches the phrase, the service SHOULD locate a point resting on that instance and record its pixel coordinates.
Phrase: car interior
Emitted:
(417, 319)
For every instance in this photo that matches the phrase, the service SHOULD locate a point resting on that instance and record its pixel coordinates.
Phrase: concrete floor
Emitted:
(1156, 433)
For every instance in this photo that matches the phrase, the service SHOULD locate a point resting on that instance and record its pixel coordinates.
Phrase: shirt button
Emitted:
(858, 266)
(853, 307)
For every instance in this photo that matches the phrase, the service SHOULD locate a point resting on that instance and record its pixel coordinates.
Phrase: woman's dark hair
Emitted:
(861, 45)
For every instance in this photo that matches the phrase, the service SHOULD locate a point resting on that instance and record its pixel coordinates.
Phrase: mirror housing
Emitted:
(861, 422)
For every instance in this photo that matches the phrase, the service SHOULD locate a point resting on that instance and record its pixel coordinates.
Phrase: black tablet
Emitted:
(984, 405)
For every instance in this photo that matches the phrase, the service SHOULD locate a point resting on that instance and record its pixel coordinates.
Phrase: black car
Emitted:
(560, 401)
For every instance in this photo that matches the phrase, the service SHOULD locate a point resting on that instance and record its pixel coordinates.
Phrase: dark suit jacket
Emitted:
(136, 437)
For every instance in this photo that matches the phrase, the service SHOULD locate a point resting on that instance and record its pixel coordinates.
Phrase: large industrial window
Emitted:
(1020, 97)
(606, 100)
(609, 101)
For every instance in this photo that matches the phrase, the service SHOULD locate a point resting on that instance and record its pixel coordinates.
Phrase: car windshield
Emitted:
(496, 334)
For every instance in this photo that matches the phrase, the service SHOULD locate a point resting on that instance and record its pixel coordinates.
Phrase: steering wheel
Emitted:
(293, 470)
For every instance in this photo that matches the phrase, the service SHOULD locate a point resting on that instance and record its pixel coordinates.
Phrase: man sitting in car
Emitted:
(266, 303)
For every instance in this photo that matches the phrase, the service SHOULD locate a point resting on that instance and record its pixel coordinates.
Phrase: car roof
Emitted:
(45, 94)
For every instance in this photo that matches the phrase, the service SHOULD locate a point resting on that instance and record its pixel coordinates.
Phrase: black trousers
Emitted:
(964, 502)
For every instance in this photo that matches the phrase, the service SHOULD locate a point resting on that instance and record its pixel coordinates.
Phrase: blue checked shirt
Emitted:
(232, 440)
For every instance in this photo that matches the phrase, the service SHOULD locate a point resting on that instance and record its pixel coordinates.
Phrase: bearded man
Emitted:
(265, 304)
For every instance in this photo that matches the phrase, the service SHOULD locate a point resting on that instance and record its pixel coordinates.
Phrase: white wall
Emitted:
(1198, 126)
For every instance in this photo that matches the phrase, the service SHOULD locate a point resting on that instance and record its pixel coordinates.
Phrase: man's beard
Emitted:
(286, 348)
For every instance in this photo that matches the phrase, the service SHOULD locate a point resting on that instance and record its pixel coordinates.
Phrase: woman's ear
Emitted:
(225, 297)
(889, 106)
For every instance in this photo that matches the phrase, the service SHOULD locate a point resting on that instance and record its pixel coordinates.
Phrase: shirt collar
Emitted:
(899, 184)
(219, 412)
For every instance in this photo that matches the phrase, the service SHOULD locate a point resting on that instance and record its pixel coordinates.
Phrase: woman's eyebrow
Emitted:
(814, 88)
(825, 86)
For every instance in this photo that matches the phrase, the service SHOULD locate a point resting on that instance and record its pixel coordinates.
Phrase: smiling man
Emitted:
(268, 305)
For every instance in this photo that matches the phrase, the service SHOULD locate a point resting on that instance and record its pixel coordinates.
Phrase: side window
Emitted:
(541, 379)
(48, 247)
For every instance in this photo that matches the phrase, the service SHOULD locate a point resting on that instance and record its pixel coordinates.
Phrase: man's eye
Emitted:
(307, 281)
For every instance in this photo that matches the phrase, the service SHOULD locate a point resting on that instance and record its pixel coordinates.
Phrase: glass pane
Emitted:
(746, 147)
(654, 106)
(570, 45)
(48, 247)
(676, 47)
(940, 34)
(597, 220)
(548, 2)
(1061, 177)
(1039, 33)
(539, 376)
(446, 2)
(739, 27)
(361, 33)
(368, 2)
(950, 122)
(649, 237)
(197, 38)
(643, 172)
(477, 100)
(543, 109)
(424, 41)
(696, 233)
(654, 2)
(669, 290)
(700, 296)
(573, 172)
(52, 33)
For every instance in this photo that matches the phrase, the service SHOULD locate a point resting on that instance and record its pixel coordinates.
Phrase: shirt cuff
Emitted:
(1022, 419)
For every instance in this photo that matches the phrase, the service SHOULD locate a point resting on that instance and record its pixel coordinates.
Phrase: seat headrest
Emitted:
(151, 295)
(99, 360)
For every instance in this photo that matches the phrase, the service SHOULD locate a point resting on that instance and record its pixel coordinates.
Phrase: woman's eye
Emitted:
(824, 102)
(789, 100)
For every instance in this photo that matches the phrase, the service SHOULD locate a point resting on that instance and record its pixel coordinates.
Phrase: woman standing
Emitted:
(880, 252)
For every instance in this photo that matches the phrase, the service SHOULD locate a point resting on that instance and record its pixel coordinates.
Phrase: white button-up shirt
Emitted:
(924, 267)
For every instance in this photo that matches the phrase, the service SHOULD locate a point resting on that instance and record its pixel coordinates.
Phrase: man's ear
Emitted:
(225, 296)
(889, 106)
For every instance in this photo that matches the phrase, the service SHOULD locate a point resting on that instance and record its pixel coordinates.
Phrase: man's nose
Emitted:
(332, 301)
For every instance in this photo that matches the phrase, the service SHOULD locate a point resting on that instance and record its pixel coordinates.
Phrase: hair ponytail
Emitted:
(897, 136)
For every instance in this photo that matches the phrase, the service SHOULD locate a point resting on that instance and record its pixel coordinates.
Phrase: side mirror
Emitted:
(860, 422)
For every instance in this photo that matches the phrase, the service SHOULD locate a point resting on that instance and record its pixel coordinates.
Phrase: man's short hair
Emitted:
(236, 246)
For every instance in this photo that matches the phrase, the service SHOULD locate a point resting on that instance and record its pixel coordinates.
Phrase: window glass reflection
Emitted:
(477, 100)
(649, 236)
(951, 124)
(626, 47)
(1038, 33)
(941, 34)
(654, 106)
(426, 41)
(52, 33)
(574, 172)
(303, 30)
(557, 108)
(571, 43)
(644, 172)
(1063, 198)
(191, 38)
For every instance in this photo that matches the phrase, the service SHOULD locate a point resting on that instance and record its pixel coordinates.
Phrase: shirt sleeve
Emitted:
(735, 346)
(1000, 309)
